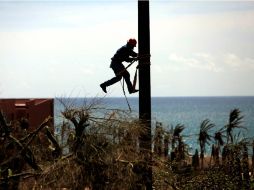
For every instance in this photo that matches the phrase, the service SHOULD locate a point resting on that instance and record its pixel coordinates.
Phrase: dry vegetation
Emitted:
(104, 153)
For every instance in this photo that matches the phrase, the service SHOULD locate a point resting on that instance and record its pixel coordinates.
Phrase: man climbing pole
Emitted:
(125, 53)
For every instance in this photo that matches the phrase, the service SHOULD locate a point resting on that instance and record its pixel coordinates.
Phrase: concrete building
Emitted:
(34, 110)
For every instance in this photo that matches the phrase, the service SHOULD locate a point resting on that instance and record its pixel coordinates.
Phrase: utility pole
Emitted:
(145, 87)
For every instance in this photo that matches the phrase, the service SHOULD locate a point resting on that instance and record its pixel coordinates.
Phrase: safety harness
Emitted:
(134, 79)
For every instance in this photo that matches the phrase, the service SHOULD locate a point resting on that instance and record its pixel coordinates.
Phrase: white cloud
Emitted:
(232, 60)
(200, 61)
(215, 63)
(239, 63)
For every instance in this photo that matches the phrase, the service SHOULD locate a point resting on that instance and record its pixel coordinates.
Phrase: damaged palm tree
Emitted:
(235, 121)
(176, 139)
(158, 139)
(104, 153)
(107, 155)
(204, 138)
(195, 160)
(79, 118)
(218, 137)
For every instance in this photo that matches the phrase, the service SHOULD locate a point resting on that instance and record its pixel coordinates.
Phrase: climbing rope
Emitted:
(122, 83)
(135, 77)
(138, 58)
(125, 95)
(144, 59)
(122, 71)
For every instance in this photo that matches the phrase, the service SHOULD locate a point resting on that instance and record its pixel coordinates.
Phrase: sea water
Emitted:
(188, 111)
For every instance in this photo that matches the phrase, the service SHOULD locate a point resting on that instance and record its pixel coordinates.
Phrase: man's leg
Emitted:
(110, 82)
(126, 76)
(117, 68)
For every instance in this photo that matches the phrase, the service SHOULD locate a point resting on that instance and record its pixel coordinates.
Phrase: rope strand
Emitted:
(125, 95)
(135, 77)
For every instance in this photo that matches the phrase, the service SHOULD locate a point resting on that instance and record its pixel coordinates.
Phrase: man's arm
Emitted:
(133, 57)
(133, 54)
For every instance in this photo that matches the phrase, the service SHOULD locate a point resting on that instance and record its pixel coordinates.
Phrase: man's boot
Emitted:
(134, 91)
(103, 87)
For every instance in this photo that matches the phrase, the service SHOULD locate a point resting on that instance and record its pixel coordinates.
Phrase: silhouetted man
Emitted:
(125, 53)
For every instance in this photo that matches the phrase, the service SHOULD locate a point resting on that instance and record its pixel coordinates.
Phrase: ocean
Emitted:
(189, 111)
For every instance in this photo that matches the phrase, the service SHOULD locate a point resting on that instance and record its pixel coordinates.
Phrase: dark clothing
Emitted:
(122, 54)
(119, 68)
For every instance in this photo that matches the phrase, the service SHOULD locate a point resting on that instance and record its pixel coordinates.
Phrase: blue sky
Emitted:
(63, 48)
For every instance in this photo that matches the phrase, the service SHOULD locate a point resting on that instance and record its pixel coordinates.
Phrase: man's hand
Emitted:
(132, 59)
(135, 58)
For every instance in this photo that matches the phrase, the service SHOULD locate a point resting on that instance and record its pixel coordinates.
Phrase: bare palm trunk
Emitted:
(202, 160)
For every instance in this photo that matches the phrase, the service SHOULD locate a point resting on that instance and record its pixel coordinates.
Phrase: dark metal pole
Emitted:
(145, 85)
